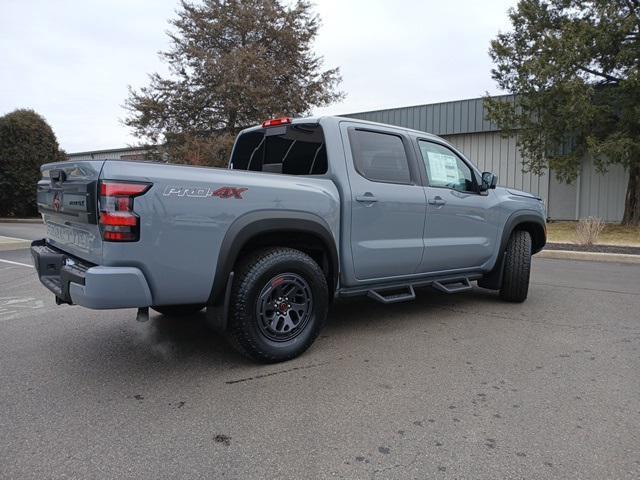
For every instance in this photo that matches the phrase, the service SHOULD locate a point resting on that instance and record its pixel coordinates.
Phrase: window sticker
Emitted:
(443, 169)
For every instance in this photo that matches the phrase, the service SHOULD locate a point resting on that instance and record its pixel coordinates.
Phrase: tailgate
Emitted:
(68, 202)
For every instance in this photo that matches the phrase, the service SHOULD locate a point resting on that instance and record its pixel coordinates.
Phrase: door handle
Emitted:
(437, 201)
(367, 197)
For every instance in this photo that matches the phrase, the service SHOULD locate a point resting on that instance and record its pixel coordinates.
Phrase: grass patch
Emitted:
(613, 234)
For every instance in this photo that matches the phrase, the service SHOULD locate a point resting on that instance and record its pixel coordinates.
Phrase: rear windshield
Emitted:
(291, 150)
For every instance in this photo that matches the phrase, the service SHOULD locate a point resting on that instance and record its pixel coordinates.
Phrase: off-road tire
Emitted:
(178, 310)
(517, 267)
(252, 275)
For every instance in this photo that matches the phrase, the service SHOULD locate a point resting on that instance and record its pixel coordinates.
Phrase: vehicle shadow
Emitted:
(182, 337)
(362, 312)
(165, 344)
(159, 346)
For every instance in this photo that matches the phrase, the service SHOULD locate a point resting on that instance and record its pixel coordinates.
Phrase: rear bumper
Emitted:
(74, 281)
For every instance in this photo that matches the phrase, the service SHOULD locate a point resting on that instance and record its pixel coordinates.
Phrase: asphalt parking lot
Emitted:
(459, 386)
(26, 231)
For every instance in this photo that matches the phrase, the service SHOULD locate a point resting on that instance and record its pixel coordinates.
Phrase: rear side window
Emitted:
(379, 157)
(297, 149)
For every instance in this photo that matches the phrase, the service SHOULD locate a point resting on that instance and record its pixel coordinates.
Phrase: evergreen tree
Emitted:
(233, 64)
(574, 66)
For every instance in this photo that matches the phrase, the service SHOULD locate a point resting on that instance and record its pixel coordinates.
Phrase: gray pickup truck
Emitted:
(309, 210)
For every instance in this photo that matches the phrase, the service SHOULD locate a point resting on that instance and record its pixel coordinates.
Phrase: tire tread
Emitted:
(517, 267)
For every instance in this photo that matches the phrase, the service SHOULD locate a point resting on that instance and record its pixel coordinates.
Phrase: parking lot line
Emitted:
(16, 263)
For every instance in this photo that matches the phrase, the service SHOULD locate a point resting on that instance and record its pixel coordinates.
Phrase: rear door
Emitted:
(388, 205)
(68, 202)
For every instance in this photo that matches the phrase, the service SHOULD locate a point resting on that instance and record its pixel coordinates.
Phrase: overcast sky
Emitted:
(71, 61)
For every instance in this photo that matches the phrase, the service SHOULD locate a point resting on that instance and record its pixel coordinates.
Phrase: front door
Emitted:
(388, 205)
(459, 233)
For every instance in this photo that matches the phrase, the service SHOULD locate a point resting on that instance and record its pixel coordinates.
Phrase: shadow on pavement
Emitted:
(176, 344)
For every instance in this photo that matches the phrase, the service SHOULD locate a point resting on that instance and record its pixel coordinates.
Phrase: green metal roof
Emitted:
(446, 118)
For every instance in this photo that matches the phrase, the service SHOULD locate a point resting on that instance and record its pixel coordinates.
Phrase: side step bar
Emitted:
(404, 291)
(395, 297)
(453, 287)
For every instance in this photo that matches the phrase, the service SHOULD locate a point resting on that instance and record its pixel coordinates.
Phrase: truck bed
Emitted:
(184, 217)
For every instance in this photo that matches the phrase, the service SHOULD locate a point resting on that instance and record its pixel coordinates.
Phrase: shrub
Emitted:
(588, 230)
(26, 142)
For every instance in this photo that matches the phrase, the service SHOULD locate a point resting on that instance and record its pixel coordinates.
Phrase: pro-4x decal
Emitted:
(203, 192)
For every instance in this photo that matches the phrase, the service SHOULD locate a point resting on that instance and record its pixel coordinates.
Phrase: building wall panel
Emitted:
(562, 199)
(602, 195)
(464, 116)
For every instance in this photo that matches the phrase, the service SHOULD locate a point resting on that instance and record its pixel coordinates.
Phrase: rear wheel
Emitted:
(517, 267)
(178, 310)
(278, 305)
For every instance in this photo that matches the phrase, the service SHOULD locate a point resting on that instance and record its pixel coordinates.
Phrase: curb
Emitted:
(20, 220)
(8, 243)
(589, 256)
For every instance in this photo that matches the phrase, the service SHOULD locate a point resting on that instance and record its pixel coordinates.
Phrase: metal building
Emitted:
(127, 153)
(464, 124)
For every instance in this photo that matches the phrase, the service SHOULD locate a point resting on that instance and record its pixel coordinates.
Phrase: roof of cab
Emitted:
(338, 119)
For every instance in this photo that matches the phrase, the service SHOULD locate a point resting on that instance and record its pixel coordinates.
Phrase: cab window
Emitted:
(297, 149)
(445, 169)
(379, 157)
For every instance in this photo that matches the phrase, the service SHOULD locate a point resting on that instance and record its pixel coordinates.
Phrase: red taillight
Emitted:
(117, 189)
(118, 237)
(276, 122)
(118, 221)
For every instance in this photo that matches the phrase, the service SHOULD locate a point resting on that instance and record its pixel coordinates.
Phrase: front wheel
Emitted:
(517, 267)
(279, 302)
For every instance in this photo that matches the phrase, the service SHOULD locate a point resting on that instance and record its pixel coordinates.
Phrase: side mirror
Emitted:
(489, 180)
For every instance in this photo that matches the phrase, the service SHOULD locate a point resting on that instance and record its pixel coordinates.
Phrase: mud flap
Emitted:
(218, 315)
(493, 280)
